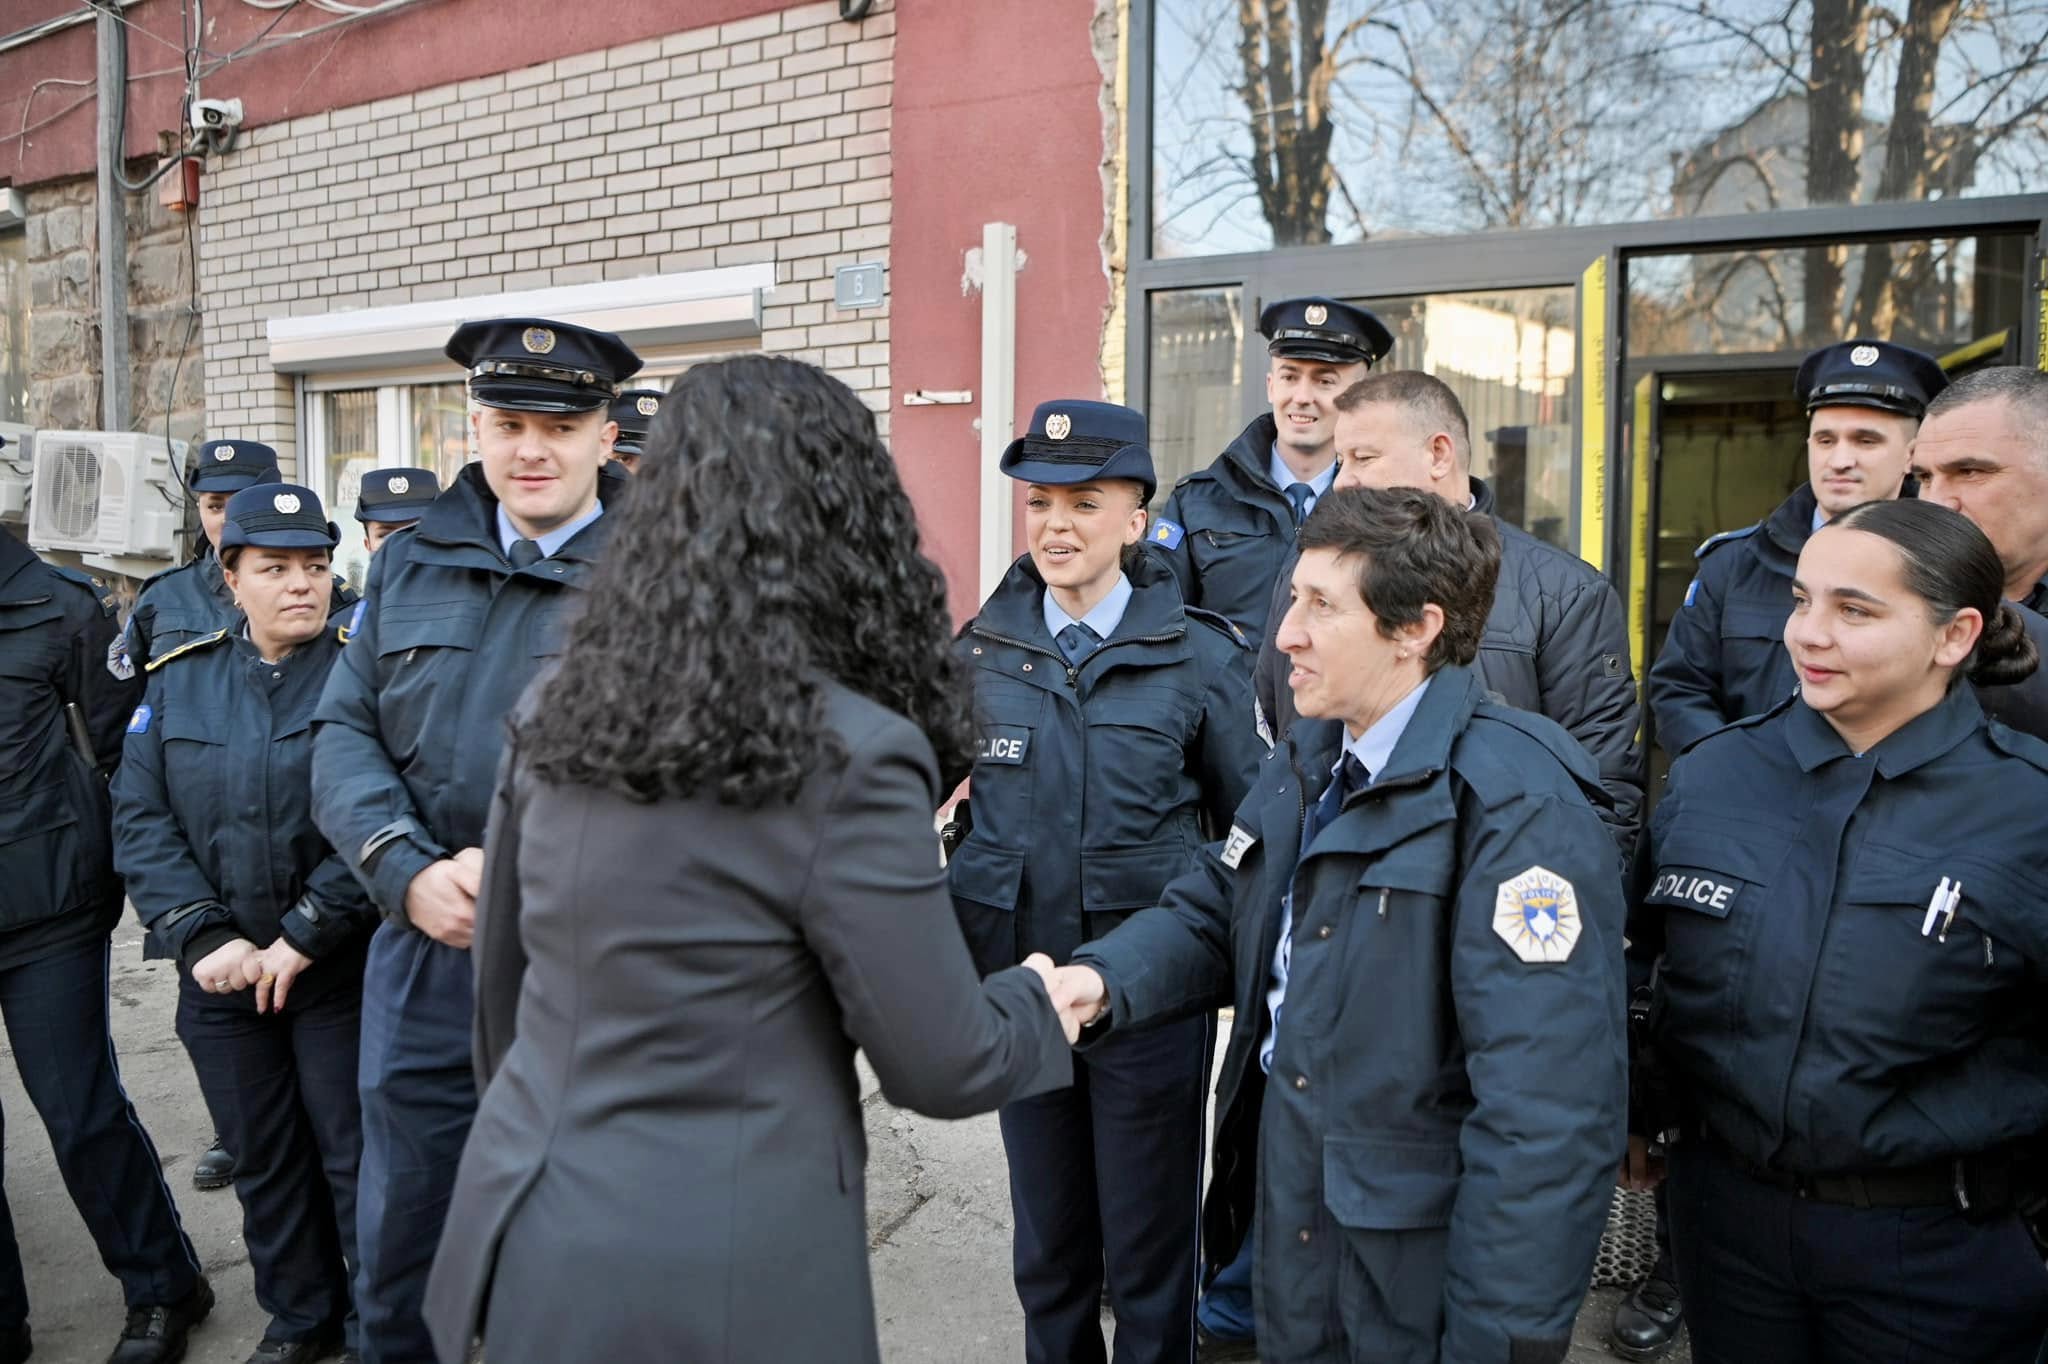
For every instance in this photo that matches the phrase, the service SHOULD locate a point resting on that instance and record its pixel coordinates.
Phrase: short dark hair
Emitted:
(1414, 548)
(2024, 387)
(1950, 564)
(1423, 397)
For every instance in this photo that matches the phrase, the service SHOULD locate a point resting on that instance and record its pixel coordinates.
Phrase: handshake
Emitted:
(1077, 992)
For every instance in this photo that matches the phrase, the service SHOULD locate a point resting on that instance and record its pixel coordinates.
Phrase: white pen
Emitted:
(1935, 904)
(1948, 916)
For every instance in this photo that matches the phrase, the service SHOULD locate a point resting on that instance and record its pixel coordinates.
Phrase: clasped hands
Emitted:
(240, 964)
(1077, 993)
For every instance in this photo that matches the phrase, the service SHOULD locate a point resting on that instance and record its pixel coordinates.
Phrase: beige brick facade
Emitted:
(762, 140)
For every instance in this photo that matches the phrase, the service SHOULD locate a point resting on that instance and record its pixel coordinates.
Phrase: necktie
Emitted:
(524, 552)
(1077, 641)
(1300, 495)
(1350, 778)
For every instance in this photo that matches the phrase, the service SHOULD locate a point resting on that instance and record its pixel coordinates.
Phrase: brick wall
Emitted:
(761, 140)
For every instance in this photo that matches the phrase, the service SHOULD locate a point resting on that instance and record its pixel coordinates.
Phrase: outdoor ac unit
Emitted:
(104, 492)
(17, 442)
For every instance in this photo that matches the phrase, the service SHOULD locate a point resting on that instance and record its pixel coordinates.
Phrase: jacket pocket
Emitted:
(1378, 1184)
(40, 854)
(1752, 620)
(987, 883)
(1131, 878)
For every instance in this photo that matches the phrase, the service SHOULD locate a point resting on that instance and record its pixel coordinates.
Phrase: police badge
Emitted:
(1058, 426)
(1537, 914)
(286, 503)
(538, 340)
(1315, 314)
(647, 407)
(399, 485)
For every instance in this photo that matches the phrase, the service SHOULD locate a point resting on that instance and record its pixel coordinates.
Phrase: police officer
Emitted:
(60, 736)
(1418, 915)
(214, 833)
(1227, 529)
(1846, 1008)
(391, 500)
(1114, 742)
(1724, 656)
(634, 411)
(457, 617)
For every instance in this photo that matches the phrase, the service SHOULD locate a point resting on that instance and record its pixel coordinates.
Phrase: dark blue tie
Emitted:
(524, 553)
(1300, 494)
(1351, 778)
(1077, 641)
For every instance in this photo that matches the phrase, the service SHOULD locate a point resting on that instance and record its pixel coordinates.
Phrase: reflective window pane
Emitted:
(349, 420)
(13, 326)
(1194, 405)
(1296, 122)
(1510, 356)
(440, 429)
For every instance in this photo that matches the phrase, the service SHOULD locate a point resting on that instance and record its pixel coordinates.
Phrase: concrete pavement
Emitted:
(938, 1214)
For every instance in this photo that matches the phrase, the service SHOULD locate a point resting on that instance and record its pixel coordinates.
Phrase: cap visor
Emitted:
(384, 513)
(1309, 350)
(533, 397)
(224, 480)
(279, 539)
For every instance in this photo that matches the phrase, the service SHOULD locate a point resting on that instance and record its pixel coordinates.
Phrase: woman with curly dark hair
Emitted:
(710, 874)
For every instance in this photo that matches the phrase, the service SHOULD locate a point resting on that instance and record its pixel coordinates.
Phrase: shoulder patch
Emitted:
(355, 621)
(138, 723)
(200, 643)
(1713, 542)
(1692, 591)
(1537, 915)
(1167, 534)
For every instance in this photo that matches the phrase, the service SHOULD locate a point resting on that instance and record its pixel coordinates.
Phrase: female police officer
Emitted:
(1847, 999)
(1116, 733)
(214, 833)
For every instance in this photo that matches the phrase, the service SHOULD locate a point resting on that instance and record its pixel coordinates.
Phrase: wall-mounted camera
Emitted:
(216, 114)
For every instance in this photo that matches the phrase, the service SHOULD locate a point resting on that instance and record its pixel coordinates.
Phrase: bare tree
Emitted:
(1286, 91)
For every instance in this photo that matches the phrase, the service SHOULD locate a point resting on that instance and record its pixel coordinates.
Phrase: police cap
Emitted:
(228, 466)
(278, 516)
(529, 364)
(396, 496)
(1078, 441)
(635, 411)
(1324, 329)
(1867, 373)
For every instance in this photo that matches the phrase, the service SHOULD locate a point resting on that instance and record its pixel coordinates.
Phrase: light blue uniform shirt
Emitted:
(1102, 618)
(1282, 476)
(1373, 748)
(549, 543)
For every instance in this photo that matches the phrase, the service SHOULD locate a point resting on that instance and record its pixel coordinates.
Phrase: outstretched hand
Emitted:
(1077, 992)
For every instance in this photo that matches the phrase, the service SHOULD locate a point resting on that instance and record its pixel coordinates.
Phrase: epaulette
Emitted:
(163, 573)
(1746, 722)
(101, 589)
(347, 629)
(200, 643)
(1545, 732)
(1223, 625)
(1707, 545)
(2025, 747)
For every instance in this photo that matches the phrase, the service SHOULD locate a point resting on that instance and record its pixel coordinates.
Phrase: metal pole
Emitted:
(115, 380)
(998, 396)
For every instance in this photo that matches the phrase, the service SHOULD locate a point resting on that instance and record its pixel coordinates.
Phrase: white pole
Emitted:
(998, 397)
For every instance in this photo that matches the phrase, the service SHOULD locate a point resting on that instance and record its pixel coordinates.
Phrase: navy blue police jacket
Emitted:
(180, 605)
(56, 847)
(1800, 1012)
(213, 818)
(1234, 530)
(1093, 786)
(1724, 656)
(1457, 1082)
(447, 635)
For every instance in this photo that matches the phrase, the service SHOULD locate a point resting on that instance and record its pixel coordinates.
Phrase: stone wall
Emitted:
(166, 369)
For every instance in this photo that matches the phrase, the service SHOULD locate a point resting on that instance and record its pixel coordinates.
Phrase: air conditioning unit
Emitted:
(17, 445)
(105, 492)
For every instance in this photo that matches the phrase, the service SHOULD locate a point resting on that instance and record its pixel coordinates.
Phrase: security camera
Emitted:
(216, 113)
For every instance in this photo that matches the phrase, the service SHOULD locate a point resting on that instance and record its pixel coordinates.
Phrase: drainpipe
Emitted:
(116, 381)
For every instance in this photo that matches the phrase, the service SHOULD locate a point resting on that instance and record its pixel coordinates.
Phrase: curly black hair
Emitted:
(766, 544)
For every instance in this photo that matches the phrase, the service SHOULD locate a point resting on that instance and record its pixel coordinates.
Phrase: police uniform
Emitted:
(1847, 1013)
(214, 833)
(59, 900)
(1104, 762)
(634, 411)
(1227, 529)
(1724, 656)
(456, 618)
(396, 497)
(1423, 1123)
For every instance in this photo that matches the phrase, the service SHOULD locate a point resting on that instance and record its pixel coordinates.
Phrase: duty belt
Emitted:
(1978, 1185)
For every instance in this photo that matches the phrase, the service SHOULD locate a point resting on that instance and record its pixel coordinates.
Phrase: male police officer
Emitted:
(1983, 450)
(1725, 657)
(634, 412)
(457, 617)
(391, 500)
(60, 736)
(1229, 528)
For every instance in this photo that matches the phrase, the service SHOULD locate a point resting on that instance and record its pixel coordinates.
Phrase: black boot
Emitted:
(15, 1345)
(156, 1334)
(215, 1169)
(1646, 1322)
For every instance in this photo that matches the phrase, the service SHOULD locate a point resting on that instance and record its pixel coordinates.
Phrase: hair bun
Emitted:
(2006, 653)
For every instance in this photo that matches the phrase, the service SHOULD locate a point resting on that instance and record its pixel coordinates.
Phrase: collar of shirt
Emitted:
(550, 542)
(1820, 518)
(1375, 747)
(1277, 470)
(1102, 618)
(1922, 739)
